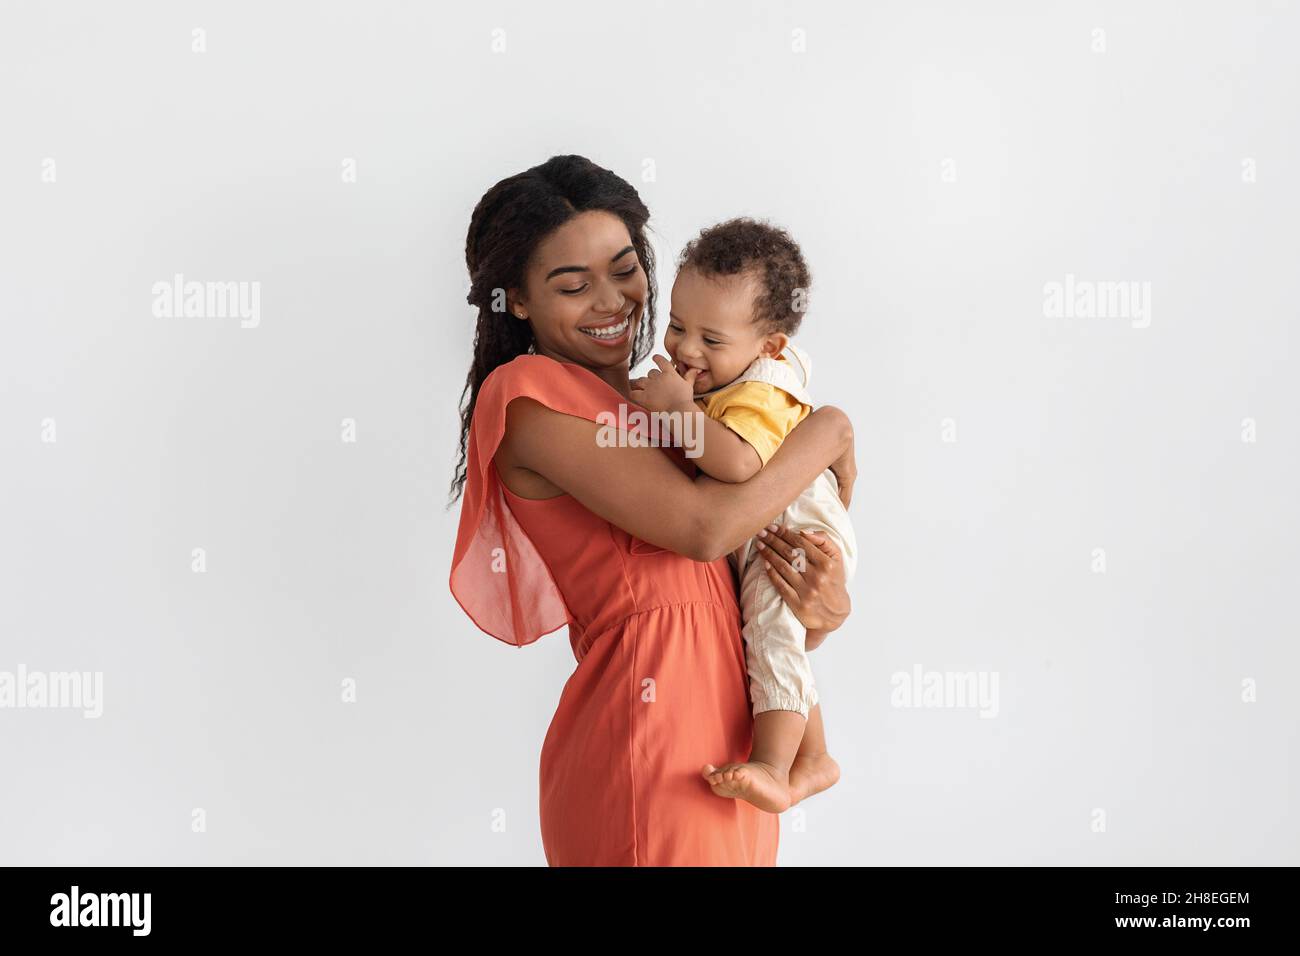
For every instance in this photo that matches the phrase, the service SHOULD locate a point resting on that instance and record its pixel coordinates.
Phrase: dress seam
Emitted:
(631, 763)
(622, 565)
(659, 607)
(587, 641)
(632, 697)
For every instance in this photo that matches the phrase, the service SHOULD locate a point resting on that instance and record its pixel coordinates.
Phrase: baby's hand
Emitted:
(663, 390)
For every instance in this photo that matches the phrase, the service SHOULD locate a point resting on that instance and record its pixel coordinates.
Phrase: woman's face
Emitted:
(584, 292)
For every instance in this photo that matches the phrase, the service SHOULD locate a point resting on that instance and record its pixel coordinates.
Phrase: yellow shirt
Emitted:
(760, 413)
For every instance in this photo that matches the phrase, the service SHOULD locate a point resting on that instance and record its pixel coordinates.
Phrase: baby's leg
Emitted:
(819, 508)
(782, 691)
(813, 770)
(764, 779)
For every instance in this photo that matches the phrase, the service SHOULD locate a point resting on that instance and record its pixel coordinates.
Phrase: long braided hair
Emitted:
(508, 223)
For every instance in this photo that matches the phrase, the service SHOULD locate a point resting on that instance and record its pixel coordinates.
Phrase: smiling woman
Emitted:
(503, 246)
(613, 290)
(620, 540)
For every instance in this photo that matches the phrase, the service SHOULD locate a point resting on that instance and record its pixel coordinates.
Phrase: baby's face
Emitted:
(711, 327)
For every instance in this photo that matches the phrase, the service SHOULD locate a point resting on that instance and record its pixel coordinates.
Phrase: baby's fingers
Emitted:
(665, 366)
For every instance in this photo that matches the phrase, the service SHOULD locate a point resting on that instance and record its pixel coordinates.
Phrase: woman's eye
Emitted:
(624, 275)
(573, 291)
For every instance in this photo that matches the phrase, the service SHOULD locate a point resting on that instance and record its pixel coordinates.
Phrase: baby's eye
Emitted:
(712, 342)
(675, 328)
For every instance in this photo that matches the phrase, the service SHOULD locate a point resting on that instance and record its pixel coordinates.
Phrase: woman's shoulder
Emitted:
(558, 385)
(523, 369)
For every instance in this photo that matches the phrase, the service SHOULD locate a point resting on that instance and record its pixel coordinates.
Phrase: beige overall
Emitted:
(780, 677)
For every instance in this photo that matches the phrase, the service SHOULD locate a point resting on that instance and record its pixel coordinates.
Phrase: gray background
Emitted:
(326, 560)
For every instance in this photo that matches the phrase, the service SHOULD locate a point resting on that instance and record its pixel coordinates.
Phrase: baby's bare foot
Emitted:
(810, 775)
(761, 784)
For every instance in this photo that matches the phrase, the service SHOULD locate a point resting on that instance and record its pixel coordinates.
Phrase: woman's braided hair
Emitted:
(508, 224)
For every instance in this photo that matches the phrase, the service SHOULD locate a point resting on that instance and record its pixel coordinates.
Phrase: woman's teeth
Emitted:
(607, 331)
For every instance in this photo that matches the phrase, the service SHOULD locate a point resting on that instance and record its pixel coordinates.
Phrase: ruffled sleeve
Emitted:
(497, 575)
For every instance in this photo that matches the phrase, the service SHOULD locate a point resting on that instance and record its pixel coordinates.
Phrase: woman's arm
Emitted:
(645, 494)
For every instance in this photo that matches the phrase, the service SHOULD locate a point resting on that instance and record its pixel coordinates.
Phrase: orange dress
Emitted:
(661, 686)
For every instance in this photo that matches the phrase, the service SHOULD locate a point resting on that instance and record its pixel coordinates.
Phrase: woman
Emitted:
(622, 543)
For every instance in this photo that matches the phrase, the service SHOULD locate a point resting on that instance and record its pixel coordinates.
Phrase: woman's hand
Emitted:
(806, 569)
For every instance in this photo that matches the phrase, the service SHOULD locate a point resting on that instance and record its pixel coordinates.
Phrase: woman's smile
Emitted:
(615, 331)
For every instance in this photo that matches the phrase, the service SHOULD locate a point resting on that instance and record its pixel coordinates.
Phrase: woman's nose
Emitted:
(609, 299)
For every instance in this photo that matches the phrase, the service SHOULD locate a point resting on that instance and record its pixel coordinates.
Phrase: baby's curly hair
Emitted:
(748, 245)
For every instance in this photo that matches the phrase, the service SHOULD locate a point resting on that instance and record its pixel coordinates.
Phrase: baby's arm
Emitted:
(716, 450)
(723, 454)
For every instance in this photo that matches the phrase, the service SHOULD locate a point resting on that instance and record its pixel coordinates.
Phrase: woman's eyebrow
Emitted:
(563, 269)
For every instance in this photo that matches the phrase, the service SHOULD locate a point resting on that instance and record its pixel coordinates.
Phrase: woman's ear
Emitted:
(514, 305)
(774, 344)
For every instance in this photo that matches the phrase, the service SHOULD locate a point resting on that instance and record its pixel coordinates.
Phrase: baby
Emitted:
(738, 297)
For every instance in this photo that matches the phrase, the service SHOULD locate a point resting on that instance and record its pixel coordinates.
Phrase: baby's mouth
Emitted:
(683, 368)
